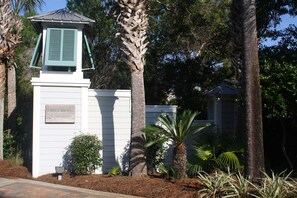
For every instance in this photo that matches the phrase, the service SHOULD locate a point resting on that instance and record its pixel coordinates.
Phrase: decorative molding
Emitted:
(61, 82)
(110, 93)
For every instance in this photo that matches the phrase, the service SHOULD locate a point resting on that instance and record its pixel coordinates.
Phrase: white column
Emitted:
(84, 109)
(36, 132)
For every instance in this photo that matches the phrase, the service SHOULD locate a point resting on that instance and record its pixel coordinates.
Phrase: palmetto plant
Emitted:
(178, 130)
(215, 151)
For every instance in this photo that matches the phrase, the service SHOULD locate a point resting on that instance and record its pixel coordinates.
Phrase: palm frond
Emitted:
(229, 160)
(203, 153)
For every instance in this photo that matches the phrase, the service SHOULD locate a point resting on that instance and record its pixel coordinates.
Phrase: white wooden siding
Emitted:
(54, 138)
(110, 118)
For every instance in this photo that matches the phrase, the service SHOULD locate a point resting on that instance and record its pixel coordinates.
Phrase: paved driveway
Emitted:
(23, 188)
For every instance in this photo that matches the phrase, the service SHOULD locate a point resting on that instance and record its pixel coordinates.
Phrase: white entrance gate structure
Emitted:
(64, 106)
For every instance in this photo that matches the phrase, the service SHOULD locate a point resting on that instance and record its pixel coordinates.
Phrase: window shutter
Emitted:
(89, 52)
(61, 47)
(37, 52)
(68, 45)
(54, 49)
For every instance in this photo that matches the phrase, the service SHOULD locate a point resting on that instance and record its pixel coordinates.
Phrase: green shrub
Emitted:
(155, 154)
(85, 153)
(9, 145)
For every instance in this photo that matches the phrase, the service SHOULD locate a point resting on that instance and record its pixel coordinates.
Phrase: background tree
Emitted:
(278, 80)
(10, 28)
(254, 153)
(133, 19)
(19, 7)
(110, 71)
(186, 56)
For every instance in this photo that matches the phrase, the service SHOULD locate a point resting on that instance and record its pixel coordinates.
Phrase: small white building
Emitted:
(223, 108)
(64, 106)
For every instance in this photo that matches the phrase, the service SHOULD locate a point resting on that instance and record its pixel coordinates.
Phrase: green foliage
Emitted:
(17, 158)
(216, 184)
(9, 145)
(169, 172)
(114, 171)
(221, 184)
(179, 129)
(155, 154)
(242, 187)
(214, 150)
(277, 186)
(85, 153)
(110, 70)
(279, 90)
(10, 151)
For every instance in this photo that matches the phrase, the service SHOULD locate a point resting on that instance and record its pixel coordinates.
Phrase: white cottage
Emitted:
(64, 106)
(222, 107)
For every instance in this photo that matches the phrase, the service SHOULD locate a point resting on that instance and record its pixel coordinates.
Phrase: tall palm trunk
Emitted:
(134, 22)
(11, 98)
(2, 93)
(137, 165)
(252, 95)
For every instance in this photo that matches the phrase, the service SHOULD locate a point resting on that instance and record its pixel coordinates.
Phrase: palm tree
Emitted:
(10, 28)
(18, 6)
(26, 6)
(133, 20)
(254, 153)
(178, 130)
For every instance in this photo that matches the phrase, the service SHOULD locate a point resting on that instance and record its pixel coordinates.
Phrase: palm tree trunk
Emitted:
(11, 99)
(252, 96)
(180, 160)
(134, 21)
(2, 93)
(137, 165)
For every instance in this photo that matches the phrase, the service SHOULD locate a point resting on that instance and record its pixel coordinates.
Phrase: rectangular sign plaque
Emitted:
(59, 113)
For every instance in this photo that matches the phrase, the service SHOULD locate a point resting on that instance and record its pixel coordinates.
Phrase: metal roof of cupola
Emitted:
(62, 16)
(62, 34)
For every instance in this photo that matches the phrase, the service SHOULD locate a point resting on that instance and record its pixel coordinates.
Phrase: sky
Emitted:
(51, 5)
